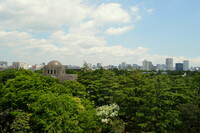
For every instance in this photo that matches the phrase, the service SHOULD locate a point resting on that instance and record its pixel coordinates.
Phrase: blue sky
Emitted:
(105, 31)
(172, 28)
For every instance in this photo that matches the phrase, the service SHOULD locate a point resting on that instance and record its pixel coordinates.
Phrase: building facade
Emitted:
(161, 67)
(169, 64)
(186, 65)
(19, 65)
(57, 70)
(147, 65)
(3, 63)
(179, 66)
(123, 65)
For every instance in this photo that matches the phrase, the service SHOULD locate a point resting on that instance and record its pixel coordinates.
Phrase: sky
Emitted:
(100, 31)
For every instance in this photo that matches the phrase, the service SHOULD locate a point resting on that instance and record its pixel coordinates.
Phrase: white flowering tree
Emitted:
(109, 117)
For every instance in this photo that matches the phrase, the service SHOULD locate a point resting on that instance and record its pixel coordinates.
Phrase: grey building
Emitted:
(186, 65)
(123, 65)
(3, 63)
(161, 67)
(57, 70)
(147, 65)
(179, 66)
(169, 64)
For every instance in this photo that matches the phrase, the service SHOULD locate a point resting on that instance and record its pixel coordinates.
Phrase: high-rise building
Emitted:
(147, 65)
(179, 66)
(123, 65)
(186, 65)
(3, 63)
(169, 64)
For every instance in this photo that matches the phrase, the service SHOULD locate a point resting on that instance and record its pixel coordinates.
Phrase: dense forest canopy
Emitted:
(100, 101)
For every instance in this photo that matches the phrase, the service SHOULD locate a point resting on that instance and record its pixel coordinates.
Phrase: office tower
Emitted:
(147, 65)
(123, 65)
(179, 66)
(3, 63)
(169, 64)
(186, 65)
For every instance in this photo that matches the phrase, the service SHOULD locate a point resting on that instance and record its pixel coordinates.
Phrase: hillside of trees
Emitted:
(101, 101)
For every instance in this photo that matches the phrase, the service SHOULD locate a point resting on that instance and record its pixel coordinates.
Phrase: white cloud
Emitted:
(135, 13)
(37, 15)
(138, 17)
(118, 31)
(13, 38)
(32, 50)
(50, 15)
(109, 13)
(82, 37)
(134, 9)
(150, 10)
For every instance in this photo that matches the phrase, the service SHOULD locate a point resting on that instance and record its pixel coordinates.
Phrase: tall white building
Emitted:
(20, 65)
(186, 65)
(169, 64)
(147, 65)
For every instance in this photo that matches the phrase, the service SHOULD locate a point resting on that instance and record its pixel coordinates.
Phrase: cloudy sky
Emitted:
(105, 31)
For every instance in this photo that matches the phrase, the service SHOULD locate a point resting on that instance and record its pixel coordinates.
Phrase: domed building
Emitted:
(56, 69)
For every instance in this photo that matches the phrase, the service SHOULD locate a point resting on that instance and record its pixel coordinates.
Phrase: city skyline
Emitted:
(146, 66)
(169, 64)
(105, 31)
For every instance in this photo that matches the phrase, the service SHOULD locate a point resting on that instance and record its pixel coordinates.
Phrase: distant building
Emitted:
(3, 63)
(20, 65)
(186, 65)
(147, 65)
(57, 70)
(179, 66)
(73, 67)
(161, 67)
(135, 66)
(111, 67)
(169, 64)
(123, 65)
(35, 67)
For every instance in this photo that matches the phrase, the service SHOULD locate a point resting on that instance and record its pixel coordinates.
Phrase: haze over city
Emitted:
(106, 31)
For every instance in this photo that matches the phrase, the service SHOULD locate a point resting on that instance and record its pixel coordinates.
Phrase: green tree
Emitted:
(21, 123)
(100, 85)
(75, 88)
(7, 74)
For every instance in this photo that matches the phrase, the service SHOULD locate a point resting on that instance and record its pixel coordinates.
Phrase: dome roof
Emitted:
(54, 64)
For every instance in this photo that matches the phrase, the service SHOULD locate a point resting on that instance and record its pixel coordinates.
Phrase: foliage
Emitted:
(7, 74)
(21, 123)
(150, 102)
